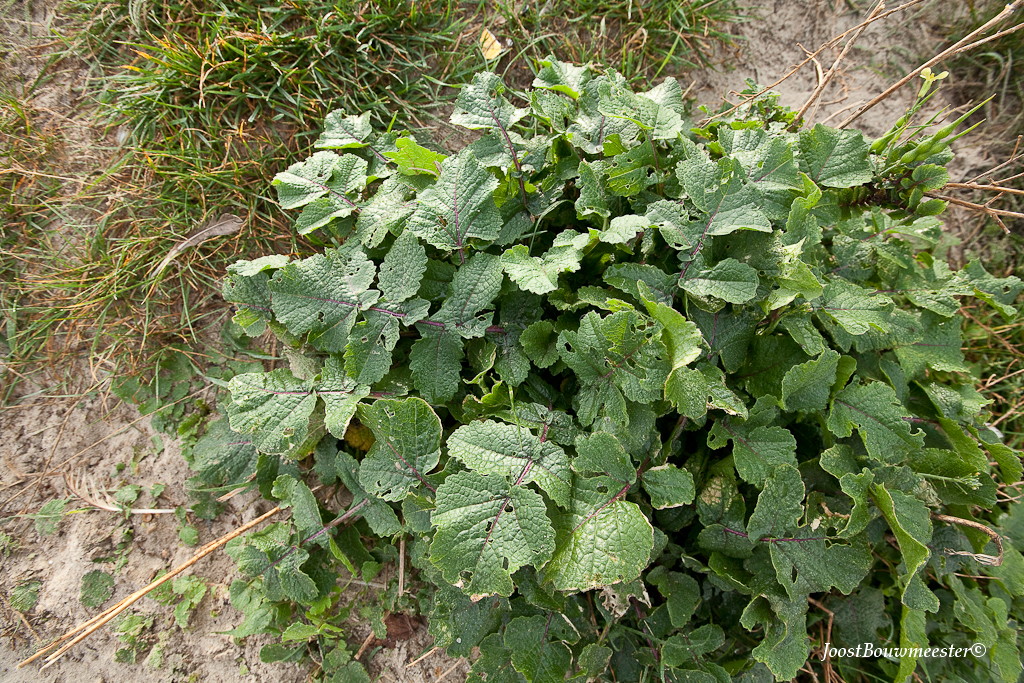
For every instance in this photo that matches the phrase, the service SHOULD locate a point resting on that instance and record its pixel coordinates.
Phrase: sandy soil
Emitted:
(41, 439)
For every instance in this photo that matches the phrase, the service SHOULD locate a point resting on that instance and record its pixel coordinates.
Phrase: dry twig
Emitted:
(89, 627)
(89, 492)
(834, 69)
(989, 560)
(994, 214)
(824, 46)
(962, 45)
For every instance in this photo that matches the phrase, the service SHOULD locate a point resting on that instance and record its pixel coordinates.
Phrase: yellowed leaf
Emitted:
(490, 46)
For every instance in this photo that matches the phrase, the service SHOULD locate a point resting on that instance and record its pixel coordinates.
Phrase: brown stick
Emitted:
(824, 46)
(991, 561)
(988, 188)
(834, 69)
(422, 656)
(962, 45)
(988, 210)
(92, 625)
(54, 470)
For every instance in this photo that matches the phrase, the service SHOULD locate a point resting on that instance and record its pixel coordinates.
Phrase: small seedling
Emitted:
(97, 588)
(25, 595)
(49, 517)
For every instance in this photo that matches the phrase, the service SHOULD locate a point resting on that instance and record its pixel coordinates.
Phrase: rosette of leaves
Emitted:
(652, 401)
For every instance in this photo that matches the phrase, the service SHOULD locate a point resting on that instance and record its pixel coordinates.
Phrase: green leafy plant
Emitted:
(133, 631)
(649, 400)
(97, 588)
(24, 596)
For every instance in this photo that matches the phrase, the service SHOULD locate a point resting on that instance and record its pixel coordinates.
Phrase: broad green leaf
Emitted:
(668, 486)
(535, 649)
(273, 408)
(855, 308)
(756, 450)
(682, 338)
(540, 274)
(294, 583)
(779, 505)
(593, 199)
(593, 660)
(308, 180)
(515, 453)
(459, 624)
(784, 645)
(802, 330)
(414, 159)
(592, 129)
(728, 280)
(998, 292)
(386, 212)
(222, 457)
(690, 647)
(494, 664)
(913, 635)
(252, 296)
(807, 562)
(24, 596)
(910, 523)
(406, 447)
(630, 172)
(768, 159)
(855, 481)
(615, 358)
(487, 528)
(378, 515)
(834, 158)
(340, 194)
(540, 342)
(474, 288)
(806, 387)
(938, 348)
(436, 361)
(688, 391)
(859, 618)
(726, 202)
(340, 394)
(259, 265)
(618, 101)
(622, 229)
(600, 540)
(482, 105)
(656, 111)
(459, 207)
(642, 281)
(602, 453)
(97, 587)
(795, 279)
(368, 356)
(402, 269)
(341, 131)
(294, 494)
(562, 77)
(681, 593)
(298, 631)
(435, 358)
(322, 296)
(878, 415)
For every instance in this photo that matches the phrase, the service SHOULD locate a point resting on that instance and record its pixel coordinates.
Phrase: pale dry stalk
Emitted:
(89, 627)
(834, 69)
(810, 58)
(965, 44)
